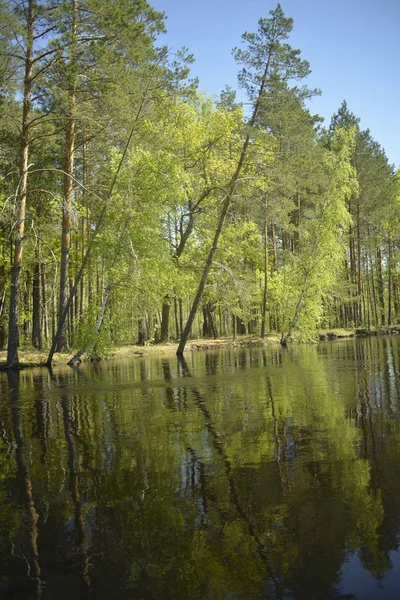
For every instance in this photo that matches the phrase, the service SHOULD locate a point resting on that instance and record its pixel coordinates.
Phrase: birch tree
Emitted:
(266, 57)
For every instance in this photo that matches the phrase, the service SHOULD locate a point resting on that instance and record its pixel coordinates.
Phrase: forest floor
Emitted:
(31, 357)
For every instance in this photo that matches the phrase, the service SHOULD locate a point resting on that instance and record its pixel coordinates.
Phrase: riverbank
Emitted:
(35, 358)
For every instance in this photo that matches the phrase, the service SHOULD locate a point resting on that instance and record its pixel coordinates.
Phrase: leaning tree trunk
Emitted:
(225, 207)
(13, 337)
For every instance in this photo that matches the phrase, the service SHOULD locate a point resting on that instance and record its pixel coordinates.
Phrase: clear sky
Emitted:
(353, 47)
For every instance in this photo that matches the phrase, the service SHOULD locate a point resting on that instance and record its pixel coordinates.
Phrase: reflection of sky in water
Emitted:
(355, 580)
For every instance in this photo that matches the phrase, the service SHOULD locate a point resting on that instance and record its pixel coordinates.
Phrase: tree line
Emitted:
(136, 208)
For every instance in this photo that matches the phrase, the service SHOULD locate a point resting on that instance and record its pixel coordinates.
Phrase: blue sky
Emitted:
(353, 47)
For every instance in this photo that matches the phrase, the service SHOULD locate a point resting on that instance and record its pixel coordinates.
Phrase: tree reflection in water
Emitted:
(240, 474)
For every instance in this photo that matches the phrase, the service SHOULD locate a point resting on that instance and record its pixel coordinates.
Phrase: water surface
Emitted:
(242, 474)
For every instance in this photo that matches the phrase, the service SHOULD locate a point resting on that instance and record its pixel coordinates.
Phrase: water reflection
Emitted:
(240, 474)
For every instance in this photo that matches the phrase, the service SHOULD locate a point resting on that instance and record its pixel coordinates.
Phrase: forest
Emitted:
(137, 209)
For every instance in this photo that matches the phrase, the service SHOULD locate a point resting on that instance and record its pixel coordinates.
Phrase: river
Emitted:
(240, 474)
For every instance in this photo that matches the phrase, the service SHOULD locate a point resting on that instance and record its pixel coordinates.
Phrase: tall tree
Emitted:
(27, 11)
(28, 25)
(266, 58)
(313, 270)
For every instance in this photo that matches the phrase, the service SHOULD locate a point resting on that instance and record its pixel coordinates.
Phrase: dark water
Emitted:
(245, 474)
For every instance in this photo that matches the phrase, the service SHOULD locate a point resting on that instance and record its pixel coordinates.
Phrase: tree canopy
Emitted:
(136, 208)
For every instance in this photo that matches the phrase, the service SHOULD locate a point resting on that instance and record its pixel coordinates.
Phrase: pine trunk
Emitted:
(68, 192)
(36, 305)
(19, 228)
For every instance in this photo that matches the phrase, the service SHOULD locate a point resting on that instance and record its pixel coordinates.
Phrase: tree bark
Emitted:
(19, 228)
(176, 318)
(265, 288)
(45, 315)
(166, 308)
(62, 344)
(36, 305)
(380, 285)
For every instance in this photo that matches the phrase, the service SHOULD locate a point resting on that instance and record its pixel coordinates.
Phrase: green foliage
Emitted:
(310, 274)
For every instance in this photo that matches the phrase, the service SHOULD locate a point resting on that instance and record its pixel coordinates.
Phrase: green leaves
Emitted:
(266, 53)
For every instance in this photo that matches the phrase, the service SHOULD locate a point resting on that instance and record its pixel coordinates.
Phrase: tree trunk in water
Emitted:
(13, 337)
